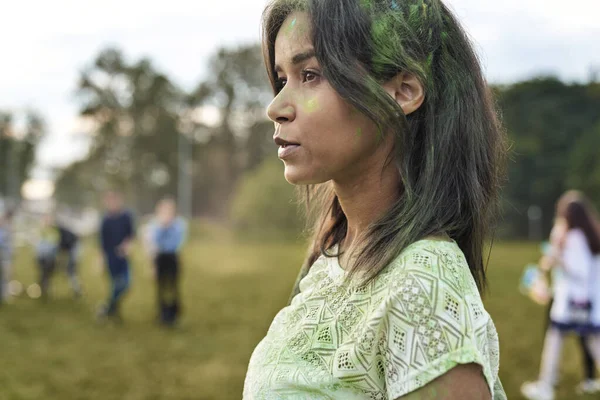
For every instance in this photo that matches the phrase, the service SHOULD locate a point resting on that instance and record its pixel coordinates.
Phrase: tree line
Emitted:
(141, 120)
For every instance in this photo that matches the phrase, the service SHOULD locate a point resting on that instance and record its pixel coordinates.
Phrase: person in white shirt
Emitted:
(575, 249)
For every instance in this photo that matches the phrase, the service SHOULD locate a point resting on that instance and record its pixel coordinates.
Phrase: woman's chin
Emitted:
(295, 176)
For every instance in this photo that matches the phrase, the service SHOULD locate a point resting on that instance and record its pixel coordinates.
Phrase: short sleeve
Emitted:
(434, 320)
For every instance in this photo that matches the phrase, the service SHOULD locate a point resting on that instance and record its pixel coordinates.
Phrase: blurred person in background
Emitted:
(6, 254)
(575, 253)
(69, 246)
(167, 234)
(117, 231)
(46, 246)
(385, 119)
(547, 262)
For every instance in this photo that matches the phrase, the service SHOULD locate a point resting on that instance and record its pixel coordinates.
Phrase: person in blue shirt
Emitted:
(6, 253)
(167, 234)
(116, 234)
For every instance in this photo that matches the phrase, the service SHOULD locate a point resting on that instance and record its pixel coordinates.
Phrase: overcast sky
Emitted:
(46, 43)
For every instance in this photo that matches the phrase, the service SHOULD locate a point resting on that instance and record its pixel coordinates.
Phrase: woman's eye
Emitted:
(280, 83)
(309, 76)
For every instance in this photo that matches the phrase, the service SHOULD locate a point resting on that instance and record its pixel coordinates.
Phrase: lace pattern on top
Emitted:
(418, 319)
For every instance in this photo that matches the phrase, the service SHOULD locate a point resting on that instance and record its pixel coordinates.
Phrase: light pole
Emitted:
(185, 158)
(14, 173)
(534, 215)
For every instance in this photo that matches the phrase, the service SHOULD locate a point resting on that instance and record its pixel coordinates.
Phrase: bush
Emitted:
(264, 204)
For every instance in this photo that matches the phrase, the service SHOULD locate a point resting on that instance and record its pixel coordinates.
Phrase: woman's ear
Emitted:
(407, 90)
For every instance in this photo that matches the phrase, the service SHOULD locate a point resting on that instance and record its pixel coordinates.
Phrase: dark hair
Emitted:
(113, 193)
(449, 152)
(579, 215)
(167, 199)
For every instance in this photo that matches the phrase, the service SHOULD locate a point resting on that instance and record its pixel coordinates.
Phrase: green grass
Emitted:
(231, 291)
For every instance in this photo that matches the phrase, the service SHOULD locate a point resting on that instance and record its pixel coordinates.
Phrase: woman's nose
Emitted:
(281, 109)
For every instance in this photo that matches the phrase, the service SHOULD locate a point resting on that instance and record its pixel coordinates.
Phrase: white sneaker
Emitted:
(588, 386)
(537, 391)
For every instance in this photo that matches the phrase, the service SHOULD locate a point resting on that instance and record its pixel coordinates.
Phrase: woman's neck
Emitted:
(365, 198)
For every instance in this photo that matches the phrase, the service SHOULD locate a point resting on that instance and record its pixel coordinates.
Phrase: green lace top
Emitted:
(418, 319)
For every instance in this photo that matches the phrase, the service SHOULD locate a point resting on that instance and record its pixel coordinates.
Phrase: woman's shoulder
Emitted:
(575, 236)
(436, 262)
(428, 254)
(431, 293)
(576, 244)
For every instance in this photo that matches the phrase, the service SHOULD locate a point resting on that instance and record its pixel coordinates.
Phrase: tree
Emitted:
(264, 204)
(139, 115)
(237, 86)
(135, 112)
(18, 143)
(584, 167)
(547, 121)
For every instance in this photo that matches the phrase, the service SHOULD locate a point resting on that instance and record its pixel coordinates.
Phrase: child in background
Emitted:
(45, 249)
(6, 253)
(69, 244)
(167, 235)
(116, 234)
(551, 257)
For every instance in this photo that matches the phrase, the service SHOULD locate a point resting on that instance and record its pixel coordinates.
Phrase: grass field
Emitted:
(231, 292)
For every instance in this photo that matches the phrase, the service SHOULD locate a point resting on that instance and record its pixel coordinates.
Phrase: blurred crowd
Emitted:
(57, 246)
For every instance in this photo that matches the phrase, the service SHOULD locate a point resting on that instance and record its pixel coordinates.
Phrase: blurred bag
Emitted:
(534, 285)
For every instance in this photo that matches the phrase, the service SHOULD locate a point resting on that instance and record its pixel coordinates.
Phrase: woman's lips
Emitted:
(285, 151)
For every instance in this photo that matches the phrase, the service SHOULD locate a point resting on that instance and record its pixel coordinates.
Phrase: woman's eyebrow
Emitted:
(298, 58)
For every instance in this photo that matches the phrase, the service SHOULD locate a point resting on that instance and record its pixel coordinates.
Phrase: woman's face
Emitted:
(335, 141)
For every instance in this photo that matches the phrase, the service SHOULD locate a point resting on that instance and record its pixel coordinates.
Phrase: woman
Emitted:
(557, 238)
(382, 115)
(576, 248)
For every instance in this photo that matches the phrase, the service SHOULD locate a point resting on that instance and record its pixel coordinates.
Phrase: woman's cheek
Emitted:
(310, 105)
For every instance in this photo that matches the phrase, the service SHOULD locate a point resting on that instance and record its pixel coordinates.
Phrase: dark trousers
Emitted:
(589, 366)
(72, 254)
(167, 271)
(118, 268)
(46, 266)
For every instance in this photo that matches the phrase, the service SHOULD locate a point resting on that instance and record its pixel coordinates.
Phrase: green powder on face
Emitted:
(310, 105)
(290, 27)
